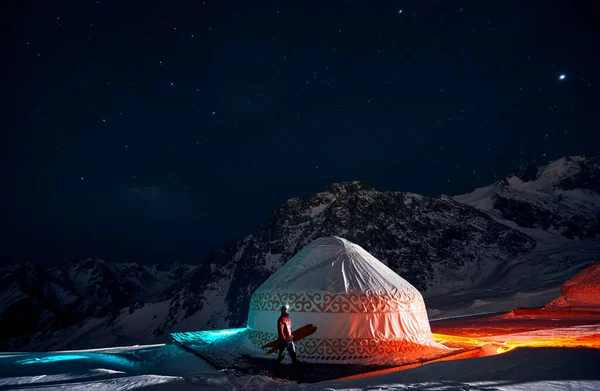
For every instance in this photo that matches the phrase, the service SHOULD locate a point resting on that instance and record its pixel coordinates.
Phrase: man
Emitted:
(284, 333)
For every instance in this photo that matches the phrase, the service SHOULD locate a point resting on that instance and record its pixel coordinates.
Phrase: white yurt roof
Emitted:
(366, 313)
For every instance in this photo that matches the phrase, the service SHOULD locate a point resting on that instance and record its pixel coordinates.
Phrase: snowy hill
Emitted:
(553, 203)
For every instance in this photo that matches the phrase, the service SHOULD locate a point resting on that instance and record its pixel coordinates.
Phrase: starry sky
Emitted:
(155, 130)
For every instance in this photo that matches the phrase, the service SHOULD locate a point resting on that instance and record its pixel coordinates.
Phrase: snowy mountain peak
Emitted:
(552, 203)
(566, 172)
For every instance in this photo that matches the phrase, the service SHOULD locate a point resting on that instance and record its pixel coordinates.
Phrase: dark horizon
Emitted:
(152, 132)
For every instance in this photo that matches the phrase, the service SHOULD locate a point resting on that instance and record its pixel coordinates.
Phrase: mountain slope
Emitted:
(553, 203)
(35, 300)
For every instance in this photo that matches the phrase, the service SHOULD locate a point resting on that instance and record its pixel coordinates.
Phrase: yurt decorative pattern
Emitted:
(329, 302)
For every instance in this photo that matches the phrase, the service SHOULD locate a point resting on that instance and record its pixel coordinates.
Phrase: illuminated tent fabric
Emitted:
(581, 292)
(365, 312)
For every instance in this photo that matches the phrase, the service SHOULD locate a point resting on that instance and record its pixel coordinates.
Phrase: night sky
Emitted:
(155, 130)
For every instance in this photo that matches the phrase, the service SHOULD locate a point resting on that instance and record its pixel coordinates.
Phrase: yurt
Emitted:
(365, 312)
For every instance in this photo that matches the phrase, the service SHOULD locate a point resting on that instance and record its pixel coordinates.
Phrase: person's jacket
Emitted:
(284, 328)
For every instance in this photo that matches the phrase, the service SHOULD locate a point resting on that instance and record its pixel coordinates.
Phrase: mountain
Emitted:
(531, 230)
(553, 203)
(35, 299)
(440, 245)
(437, 244)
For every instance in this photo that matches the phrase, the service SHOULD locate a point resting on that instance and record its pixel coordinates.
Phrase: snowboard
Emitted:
(297, 335)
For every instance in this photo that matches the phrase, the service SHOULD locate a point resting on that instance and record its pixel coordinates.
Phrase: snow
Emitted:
(481, 198)
(521, 369)
(214, 305)
(553, 209)
(529, 280)
(147, 367)
(170, 368)
(557, 170)
(546, 240)
(143, 320)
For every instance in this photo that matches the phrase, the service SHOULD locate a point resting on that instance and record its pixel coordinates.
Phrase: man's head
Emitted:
(284, 310)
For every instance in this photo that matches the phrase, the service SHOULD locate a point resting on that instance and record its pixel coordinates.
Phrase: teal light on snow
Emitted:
(216, 335)
(110, 360)
(49, 359)
(204, 337)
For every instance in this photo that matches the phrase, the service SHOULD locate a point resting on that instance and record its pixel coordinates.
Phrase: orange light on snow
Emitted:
(521, 328)
(479, 343)
(504, 349)
(561, 337)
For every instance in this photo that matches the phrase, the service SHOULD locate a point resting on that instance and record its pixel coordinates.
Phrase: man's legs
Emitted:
(281, 355)
(292, 350)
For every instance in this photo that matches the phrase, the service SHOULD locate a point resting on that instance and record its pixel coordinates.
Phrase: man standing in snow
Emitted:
(284, 332)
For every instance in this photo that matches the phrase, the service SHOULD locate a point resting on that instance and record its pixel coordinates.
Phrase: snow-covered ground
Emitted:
(170, 367)
(528, 281)
(531, 280)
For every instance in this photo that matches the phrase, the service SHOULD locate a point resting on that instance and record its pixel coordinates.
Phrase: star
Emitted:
(399, 11)
(562, 77)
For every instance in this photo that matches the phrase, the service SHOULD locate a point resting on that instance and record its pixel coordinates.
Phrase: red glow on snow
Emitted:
(500, 334)
(522, 328)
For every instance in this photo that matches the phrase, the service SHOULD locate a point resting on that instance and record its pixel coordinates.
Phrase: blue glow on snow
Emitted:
(45, 360)
(118, 360)
(216, 335)
(112, 360)
(208, 336)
